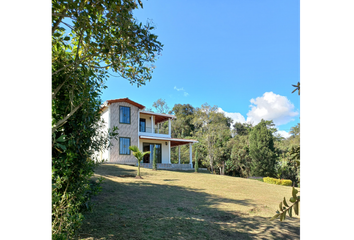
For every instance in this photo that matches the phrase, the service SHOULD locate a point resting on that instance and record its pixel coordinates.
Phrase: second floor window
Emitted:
(124, 114)
(142, 125)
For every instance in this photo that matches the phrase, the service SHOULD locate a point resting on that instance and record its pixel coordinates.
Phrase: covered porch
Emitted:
(163, 152)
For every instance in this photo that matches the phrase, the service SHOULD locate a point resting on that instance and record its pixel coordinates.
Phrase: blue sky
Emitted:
(224, 53)
(240, 55)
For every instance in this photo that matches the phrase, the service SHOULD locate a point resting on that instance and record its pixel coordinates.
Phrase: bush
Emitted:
(283, 182)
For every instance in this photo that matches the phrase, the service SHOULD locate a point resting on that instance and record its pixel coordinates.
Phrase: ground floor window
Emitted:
(124, 144)
(148, 158)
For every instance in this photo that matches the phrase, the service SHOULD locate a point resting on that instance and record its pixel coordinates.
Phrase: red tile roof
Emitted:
(127, 100)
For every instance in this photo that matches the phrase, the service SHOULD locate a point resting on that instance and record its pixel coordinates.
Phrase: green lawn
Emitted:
(185, 205)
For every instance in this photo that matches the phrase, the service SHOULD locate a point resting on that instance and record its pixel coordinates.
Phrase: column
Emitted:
(169, 152)
(179, 155)
(190, 155)
(169, 127)
(152, 124)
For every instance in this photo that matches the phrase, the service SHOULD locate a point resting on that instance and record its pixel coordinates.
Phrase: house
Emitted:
(141, 128)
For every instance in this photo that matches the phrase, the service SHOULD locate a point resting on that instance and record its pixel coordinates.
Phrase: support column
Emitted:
(169, 127)
(179, 154)
(152, 124)
(190, 155)
(169, 152)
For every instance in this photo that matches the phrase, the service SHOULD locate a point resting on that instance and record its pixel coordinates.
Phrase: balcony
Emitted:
(148, 131)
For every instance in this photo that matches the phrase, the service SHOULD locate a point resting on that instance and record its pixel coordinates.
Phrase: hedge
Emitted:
(284, 182)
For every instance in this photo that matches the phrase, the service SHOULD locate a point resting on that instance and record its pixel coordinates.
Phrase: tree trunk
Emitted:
(138, 169)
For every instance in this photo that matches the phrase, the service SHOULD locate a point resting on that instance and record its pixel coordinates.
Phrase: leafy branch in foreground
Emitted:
(295, 200)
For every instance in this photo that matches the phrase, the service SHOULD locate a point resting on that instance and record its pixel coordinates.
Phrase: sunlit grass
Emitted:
(185, 205)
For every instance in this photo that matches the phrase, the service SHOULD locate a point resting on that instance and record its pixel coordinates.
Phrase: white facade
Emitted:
(137, 136)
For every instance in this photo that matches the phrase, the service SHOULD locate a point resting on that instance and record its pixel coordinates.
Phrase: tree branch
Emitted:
(56, 24)
(74, 64)
(63, 121)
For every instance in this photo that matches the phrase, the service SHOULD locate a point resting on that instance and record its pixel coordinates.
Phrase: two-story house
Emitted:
(140, 128)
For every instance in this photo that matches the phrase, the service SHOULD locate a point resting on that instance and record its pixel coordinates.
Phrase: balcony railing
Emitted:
(156, 130)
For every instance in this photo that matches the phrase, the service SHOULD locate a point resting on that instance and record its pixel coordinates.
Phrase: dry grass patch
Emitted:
(184, 205)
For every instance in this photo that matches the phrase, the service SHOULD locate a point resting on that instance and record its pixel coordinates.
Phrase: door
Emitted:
(148, 158)
(142, 126)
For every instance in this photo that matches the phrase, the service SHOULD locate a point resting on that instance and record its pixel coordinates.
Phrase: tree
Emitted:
(242, 129)
(212, 129)
(161, 106)
(239, 162)
(139, 156)
(262, 151)
(182, 126)
(90, 41)
(74, 146)
(93, 37)
(295, 131)
(154, 165)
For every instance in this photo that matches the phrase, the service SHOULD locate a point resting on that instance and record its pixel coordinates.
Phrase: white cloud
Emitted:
(178, 89)
(271, 107)
(181, 89)
(282, 133)
(237, 117)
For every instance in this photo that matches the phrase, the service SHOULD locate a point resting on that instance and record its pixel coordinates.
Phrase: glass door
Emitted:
(142, 126)
(148, 158)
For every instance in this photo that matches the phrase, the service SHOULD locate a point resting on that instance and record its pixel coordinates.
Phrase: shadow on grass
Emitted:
(142, 210)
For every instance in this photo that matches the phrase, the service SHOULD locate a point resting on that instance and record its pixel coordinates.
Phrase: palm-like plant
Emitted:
(138, 155)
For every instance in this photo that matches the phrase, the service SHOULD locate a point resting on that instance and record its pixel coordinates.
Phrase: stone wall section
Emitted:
(124, 130)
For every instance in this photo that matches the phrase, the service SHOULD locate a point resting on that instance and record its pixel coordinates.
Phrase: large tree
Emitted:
(90, 40)
(101, 37)
(239, 161)
(212, 129)
(262, 150)
(182, 126)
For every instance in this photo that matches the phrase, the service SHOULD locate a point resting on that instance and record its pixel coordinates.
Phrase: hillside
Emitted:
(184, 205)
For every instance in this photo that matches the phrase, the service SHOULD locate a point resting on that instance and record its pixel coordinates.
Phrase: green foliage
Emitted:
(283, 182)
(74, 145)
(139, 156)
(262, 150)
(239, 162)
(182, 126)
(89, 39)
(295, 157)
(154, 164)
(287, 209)
(212, 129)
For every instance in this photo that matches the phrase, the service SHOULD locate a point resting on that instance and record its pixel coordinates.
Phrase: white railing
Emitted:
(156, 130)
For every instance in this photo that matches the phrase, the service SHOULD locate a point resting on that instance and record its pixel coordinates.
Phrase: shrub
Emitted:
(283, 182)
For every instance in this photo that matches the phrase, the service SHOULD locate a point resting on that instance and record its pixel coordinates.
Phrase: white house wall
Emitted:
(105, 116)
(164, 147)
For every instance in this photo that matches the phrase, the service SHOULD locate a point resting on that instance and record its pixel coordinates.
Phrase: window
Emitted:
(124, 114)
(124, 144)
(142, 125)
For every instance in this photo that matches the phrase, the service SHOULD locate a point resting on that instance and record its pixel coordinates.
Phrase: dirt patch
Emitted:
(126, 176)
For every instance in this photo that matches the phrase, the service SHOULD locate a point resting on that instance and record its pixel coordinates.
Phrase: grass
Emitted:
(184, 205)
